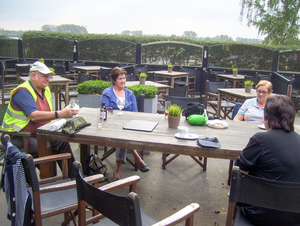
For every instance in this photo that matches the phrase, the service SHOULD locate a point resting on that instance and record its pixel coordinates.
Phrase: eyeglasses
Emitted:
(44, 76)
(262, 92)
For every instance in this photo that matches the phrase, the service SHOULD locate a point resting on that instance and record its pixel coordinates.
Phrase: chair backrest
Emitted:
(119, 209)
(236, 109)
(183, 101)
(71, 65)
(212, 76)
(212, 87)
(31, 176)
(178, 92)
(104, 73)
(3, 66)
(82, 77)
(23, 70)
(277, 195)
(191, 71)
(60, 69)
(263, 76)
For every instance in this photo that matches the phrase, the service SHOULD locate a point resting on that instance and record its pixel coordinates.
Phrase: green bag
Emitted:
(74, 125)
(197, 119)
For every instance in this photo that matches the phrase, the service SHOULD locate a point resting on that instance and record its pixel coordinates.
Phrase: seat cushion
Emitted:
(59, 199)
(146, 220)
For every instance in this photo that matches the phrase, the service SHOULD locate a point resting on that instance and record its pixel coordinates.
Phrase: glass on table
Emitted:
(121, 105)
(167, 105)
(99, 118)
(74, 105)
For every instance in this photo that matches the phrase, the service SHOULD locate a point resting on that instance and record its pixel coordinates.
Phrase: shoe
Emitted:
(116, 178)
(144, 168)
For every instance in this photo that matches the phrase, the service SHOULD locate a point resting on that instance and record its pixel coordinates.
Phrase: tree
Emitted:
(278, 19)
(137, 33)
(71, 28)
(190, 34)
(48, 27)
(126, 32)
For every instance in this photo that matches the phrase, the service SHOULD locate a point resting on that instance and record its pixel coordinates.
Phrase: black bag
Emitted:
(95, 165)
(74, 125)
(194, 108)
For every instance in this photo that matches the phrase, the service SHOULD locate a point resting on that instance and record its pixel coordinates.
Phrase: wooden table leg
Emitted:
(84, 154)
(46, 169)
(219, 105)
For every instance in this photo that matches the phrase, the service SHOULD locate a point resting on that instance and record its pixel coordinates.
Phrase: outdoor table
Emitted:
(237, 93)
(172, 75)
(89, 69)
(57, 82)
(161, 139)
(162, 88)
(235, 80)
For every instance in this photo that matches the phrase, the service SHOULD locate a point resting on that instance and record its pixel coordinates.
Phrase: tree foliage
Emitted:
(278, 19)
(70, 28)
(190, 34)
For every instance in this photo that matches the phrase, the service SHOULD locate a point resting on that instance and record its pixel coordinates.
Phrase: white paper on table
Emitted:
(57, 125)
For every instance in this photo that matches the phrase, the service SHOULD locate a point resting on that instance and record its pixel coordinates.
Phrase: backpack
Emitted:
(194, 108)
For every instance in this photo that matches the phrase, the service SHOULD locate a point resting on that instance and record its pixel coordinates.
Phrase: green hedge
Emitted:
(148, 90)
(93, 87)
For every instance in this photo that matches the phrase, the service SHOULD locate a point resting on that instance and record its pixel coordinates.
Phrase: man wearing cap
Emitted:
(30, 107)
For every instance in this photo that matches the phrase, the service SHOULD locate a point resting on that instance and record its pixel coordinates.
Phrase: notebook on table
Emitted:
(139, 125)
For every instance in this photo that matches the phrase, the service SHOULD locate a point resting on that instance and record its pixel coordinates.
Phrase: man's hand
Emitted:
(67, 112)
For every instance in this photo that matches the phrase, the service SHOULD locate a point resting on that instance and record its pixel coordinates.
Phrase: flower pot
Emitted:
(234, 74)
(248, 89)
(170, 69)
(142, 81)
(173, 121)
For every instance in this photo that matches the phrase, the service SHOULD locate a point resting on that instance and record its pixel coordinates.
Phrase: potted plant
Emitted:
(170, 68)
(248, 86)
(235, 71)
(142, 77)
(175, 112)
(150, 95)
(89, 92)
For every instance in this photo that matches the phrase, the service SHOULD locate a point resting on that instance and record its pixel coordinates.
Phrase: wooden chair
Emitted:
(183, 101)
(22, 71)
(8, 74)
(52, 196)
(277, 195)
(120, 210)
(211, 98)
(174, 92)
(191, 80)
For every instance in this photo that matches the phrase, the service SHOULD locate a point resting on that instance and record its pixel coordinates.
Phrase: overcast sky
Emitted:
(208, 18)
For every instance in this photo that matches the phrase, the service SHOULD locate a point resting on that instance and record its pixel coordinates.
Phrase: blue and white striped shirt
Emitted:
(251, 111)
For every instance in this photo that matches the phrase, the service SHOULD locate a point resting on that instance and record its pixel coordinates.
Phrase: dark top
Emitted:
(273, 155)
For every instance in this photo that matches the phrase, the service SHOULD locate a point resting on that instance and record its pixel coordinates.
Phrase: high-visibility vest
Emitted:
(16, 120)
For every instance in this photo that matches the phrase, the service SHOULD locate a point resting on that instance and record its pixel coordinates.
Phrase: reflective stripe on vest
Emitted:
(16, 120)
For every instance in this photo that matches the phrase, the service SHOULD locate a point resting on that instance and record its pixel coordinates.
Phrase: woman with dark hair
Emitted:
(253, 109)
(273, 155)
(109, 97)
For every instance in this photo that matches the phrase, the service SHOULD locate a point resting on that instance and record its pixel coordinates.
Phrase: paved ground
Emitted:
(163, 192)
